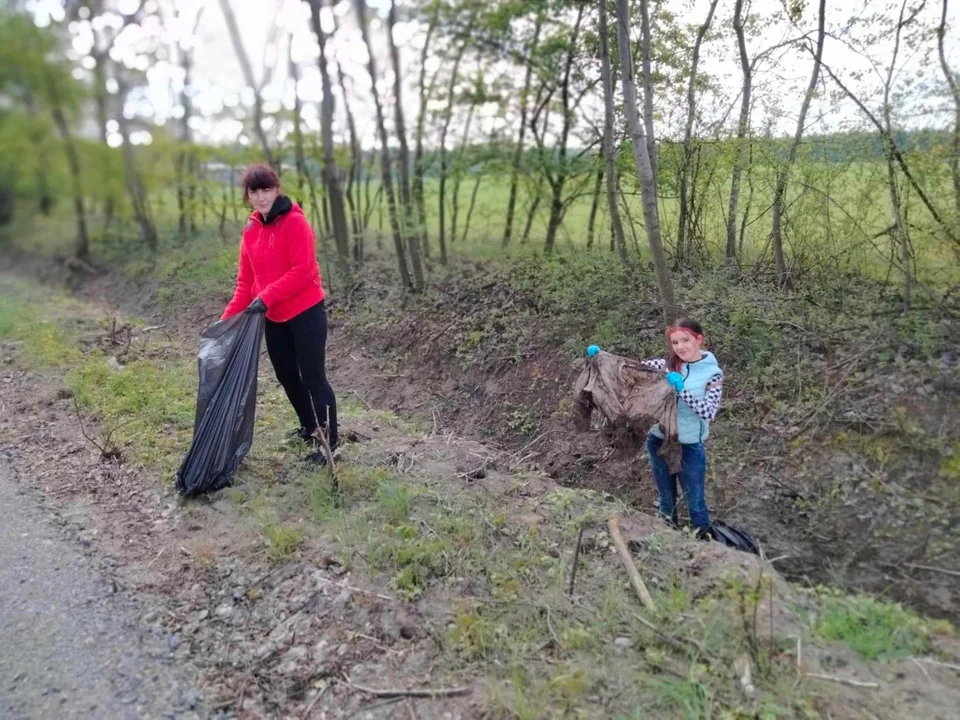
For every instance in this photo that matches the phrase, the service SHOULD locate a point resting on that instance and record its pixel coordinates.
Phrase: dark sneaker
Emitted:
(300, 433)
(318, 457)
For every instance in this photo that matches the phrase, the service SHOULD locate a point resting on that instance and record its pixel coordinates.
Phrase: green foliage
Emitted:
(283, 541)
(876, 630)
(394, 500)
(10, 309)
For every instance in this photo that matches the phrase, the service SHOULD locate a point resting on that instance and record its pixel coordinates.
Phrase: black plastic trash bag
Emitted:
(228, 358)
(734, 537)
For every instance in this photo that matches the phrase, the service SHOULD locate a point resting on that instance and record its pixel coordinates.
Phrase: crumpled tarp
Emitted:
(632, 398)
(228, 359)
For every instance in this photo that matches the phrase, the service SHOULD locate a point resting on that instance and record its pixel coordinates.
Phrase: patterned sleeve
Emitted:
(655, 364)
(707, 407)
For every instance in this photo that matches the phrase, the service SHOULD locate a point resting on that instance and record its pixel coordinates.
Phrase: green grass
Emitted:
(283, 541)
(9, 311)
(148, 404)
(876, 630)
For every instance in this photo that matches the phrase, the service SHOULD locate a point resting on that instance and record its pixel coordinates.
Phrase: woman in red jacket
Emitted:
(278, 274)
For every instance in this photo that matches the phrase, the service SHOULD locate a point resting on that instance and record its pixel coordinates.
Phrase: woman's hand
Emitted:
(257, 306)
(676, 380)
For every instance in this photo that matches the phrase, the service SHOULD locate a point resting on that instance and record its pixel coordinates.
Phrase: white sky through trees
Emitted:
(222, 102)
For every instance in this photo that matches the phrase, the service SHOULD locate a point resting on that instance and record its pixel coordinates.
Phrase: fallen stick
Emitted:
(931, 661)
(401, 692)
(930, 568)
(356, 589)
(576, 557)
(680, 643)
(309, 709)
(844, 681)
(625, 558)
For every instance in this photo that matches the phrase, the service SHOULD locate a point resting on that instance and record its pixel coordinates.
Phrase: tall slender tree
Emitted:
(410, 225)
(385, 170)
(783, 175)
(641, 156)
(331, 176)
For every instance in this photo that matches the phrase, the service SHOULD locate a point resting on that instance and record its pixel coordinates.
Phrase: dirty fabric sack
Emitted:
(228, 358)
(632, 398)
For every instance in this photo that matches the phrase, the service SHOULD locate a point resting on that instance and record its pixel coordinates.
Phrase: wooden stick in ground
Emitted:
(613, 524)
(576, 557)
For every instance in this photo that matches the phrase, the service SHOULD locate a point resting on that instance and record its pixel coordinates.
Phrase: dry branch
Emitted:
(844, 681)
(627, 560)
(400, 692)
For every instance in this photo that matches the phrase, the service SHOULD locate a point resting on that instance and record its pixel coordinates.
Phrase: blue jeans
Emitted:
(692, 477)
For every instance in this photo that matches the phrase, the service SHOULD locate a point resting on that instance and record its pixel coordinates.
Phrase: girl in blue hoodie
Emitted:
(698, 381)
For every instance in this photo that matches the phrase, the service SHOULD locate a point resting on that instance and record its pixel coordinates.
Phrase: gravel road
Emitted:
(71, 646)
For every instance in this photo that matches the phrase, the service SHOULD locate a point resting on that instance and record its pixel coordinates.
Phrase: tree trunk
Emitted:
(185, 156)
(646, 78)
(411, 231)
(331, 177)
(594, 204)
(448, 114)
(641, 156)
(783, 176)
(685, 200)
(955, 93)
(458, 176)
(101, 102)
(418, 164)
(557, 184)
(518, 150)
(299, 157)
(247, 69)
(742, 125)
(387, 178)
(531, 214)
(138, 194)
(609, 146)
(356, 165)
(900, 237)
(473, 203)
(82, 250)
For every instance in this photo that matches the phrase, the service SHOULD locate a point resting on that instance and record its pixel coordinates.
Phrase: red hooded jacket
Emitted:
(278, 264)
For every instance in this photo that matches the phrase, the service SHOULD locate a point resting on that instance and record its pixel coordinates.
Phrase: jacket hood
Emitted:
(281, 206)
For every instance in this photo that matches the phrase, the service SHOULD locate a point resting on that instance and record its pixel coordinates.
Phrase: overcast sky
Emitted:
(219, 87)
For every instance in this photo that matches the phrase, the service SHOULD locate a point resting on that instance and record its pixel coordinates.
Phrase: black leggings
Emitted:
(297, 349)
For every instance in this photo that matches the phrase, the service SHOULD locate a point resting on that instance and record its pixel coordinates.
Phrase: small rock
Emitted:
(343, 599)
(224, 611)
(292, 659)
(321, 652)
(203, 614)
(114, 365)
(622, 642)
(173, 642)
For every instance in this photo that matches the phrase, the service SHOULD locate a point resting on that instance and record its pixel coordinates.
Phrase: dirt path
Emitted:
(72, 645)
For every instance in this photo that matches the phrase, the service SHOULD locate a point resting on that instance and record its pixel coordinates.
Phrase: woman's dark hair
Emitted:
(688, 325)
(258, 177)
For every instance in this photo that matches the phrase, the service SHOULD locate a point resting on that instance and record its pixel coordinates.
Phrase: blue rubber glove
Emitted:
(675, 379)
(593, 350)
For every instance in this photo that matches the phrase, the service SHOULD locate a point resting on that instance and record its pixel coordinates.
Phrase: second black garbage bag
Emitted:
(228, 360)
